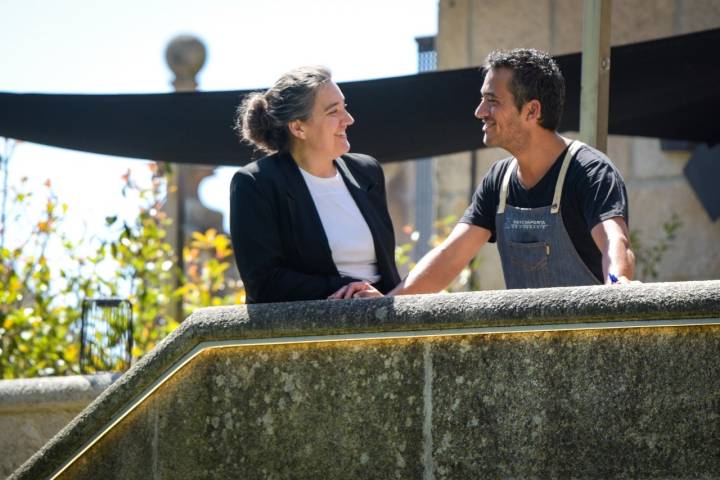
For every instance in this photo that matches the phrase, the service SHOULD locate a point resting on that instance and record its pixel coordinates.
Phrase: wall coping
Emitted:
(567, 307)
(52, 393)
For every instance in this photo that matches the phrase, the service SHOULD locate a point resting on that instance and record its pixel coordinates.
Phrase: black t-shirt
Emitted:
(593, 192)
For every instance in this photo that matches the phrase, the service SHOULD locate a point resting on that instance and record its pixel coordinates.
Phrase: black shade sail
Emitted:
(666, 88)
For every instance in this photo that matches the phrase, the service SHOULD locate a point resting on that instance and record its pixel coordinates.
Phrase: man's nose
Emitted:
(349, 120)
(480, 111)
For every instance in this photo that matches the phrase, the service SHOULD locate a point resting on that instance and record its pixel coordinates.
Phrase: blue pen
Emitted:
(612, 278)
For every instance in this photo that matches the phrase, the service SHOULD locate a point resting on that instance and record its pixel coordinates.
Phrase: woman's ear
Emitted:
(296, 129)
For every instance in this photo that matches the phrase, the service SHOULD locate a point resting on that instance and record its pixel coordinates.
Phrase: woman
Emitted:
(310, 217)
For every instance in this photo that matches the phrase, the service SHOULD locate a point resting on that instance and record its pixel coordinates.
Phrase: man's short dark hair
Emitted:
(535, 76)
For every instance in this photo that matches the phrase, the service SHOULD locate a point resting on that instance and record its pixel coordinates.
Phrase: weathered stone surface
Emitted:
(641, 20)
(619, 153)
(503, 30)
(583, 404)
(452, 175)
(453, 33)
(696, 15)
(401, 407)
(33, 410)
(24, 433)
(52, 392)
(297, 411)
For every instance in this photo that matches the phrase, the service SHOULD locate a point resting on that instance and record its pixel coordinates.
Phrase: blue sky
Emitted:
(91, 46)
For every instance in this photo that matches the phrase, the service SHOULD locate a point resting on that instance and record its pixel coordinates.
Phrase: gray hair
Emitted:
(262, 118)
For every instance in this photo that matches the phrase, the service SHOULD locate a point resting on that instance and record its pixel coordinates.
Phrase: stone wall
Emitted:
(469, 29)
(33, 410)
(587, 382)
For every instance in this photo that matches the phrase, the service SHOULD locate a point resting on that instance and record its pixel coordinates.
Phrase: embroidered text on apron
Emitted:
(535, 248)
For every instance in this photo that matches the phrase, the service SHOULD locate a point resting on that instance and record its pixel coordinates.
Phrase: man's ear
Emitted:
(533, 110)
(296, 129)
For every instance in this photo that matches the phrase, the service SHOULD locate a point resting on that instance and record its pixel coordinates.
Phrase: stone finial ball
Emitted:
(185, 54)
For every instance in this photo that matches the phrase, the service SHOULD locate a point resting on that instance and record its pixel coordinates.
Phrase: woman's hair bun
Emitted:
(254, 124)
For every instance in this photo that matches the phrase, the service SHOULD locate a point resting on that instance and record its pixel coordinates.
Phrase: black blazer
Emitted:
(280, 245)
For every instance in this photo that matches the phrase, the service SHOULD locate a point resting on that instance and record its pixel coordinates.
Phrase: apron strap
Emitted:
(505, 184)
(574, 146)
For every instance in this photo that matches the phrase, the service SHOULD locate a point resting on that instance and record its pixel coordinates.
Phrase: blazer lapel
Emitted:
(312, 243)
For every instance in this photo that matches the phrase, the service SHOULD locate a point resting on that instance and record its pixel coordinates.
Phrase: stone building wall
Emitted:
(469, 29)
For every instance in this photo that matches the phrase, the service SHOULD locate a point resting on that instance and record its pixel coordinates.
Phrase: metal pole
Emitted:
(424, 167)
(595, 86)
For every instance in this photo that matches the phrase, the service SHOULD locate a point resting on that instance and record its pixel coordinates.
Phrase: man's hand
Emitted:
(619, 280)
(356, 290)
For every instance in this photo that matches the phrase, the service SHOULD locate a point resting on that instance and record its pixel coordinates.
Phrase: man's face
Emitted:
(503, 125)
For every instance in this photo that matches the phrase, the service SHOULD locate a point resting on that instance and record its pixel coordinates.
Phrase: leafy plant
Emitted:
(146, 265)
(36, 336)
(207, 261)
(40, 298)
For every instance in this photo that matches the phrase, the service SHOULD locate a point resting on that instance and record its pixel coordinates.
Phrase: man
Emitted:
(558, 209)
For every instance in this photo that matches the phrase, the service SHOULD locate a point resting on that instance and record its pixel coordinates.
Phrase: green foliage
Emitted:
(206, 261)
(35, 329)
(649, 255)
(146, 264)
(40, 300)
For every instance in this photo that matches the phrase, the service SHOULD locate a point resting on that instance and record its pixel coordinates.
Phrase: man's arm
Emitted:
(612, 238)
(435, 270)
(443, 263)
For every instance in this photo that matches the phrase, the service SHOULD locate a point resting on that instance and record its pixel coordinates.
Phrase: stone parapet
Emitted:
(33, 410)
(52, 393)
(587, 381)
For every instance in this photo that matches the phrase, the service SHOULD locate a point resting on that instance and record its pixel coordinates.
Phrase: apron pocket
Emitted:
(528, 257)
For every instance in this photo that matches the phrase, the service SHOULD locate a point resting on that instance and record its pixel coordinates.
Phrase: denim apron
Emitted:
(535, 248)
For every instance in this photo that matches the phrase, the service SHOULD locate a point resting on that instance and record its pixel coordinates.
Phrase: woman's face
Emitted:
(325, 131)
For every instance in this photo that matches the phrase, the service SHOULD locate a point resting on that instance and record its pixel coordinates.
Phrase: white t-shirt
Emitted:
(351, 242)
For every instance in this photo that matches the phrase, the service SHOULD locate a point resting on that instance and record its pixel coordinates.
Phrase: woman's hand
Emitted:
(356, 290)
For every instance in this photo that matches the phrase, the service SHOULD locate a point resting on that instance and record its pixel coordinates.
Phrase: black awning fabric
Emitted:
(666, 88)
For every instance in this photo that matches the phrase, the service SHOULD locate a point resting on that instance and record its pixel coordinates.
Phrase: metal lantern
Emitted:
(106, 335)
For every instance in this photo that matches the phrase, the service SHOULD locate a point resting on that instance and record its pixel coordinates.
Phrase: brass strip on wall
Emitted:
(351, 337)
